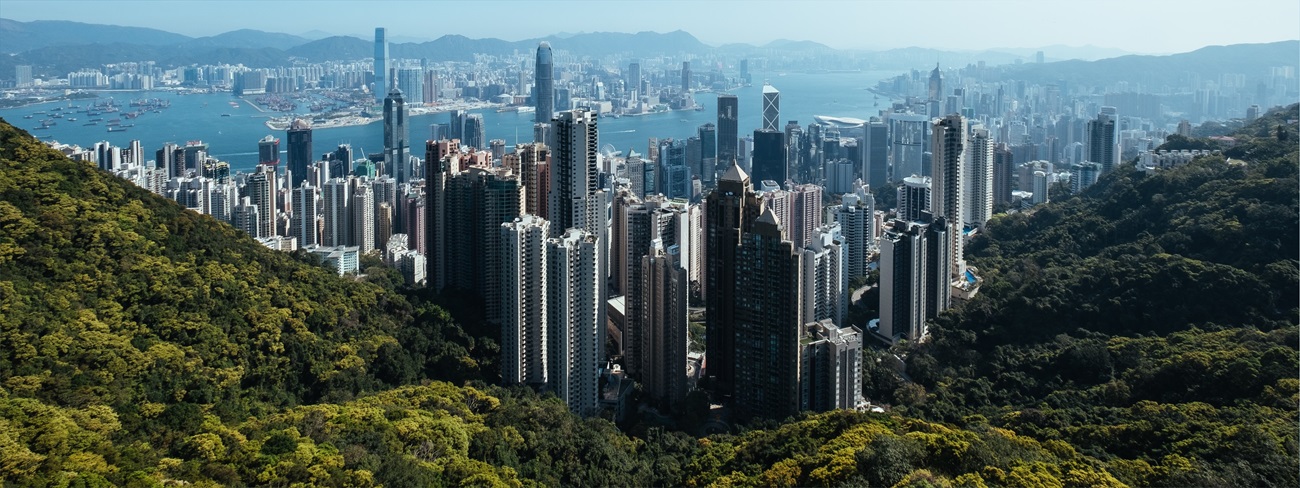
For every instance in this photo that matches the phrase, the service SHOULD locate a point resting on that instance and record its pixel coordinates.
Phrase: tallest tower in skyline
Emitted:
(381, 63)
(544, 84)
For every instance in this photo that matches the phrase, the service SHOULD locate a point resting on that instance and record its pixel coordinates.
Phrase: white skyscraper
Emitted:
(261, 187)
(831, 367)
(979, 178)
(523, 301)
(575, 318)
(246, 218)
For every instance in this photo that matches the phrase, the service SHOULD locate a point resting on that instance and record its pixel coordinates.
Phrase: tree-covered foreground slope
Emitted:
(142, 345)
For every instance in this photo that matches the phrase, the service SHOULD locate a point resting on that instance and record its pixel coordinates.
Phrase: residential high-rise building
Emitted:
(978, 187)
(1003, 171)
(823, 277)
(855, 216)
(633, 78)
(769, 156)
(299, 152)
(914, 199)
(383, 227)
(268, 151)
(1103, 145)
(337, 213)
(576, 200)
(534, 174)
(305, 215)
(246, 217)
(575, 318)
(805, 213)
(664, 290)
(728, 131)
(947, 189)
(730, 210)
(363, 217)
(262, 189)
(766, 322)
(411, 82)
(544, 84)
(771, 108)
(1083, 175)
(23, 76)
(831, 367)
(382, 82)
(469, 208)
(396, 138)
(903, 281)
(523, 301)
(876, 154)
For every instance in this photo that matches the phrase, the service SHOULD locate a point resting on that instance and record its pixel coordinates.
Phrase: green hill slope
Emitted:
(1150, 321)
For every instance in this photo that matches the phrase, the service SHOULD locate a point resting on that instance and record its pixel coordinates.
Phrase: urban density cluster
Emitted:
(591, 262)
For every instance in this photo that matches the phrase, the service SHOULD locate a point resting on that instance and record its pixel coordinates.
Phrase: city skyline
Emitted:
(1184, 28)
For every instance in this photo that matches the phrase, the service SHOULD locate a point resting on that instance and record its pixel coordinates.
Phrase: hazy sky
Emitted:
(1150, 26)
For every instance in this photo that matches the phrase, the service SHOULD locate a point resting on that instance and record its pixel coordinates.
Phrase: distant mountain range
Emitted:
(58, 47)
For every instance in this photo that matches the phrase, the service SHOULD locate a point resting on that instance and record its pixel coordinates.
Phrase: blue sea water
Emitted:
(234, 138)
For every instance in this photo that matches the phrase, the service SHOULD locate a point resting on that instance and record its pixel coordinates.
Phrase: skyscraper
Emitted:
(363, 217)
(947, 189)
(305, 215)
(664, 297)
(381, 64)
(771, 108)
(575, 318)
(979, 179)
(300, 155)
(730, 211)
(534, 174)
(914, 199)
(634, 78)
(708, 135)
(766, 322)
(471, 206)
(261, 188)
(831, 367)
(876, 154)
(475, 134)
(823, 279)
(268, 151)
(686, 76)
(396, 146)
(1102, 144)
(543, 84)
(523, 301)
(411, 82)
(728, 131)
(337, 213)
(903, 281)
(855, 216)
(1003, 169)
(574, 201)
(908, 135)
(769, 156)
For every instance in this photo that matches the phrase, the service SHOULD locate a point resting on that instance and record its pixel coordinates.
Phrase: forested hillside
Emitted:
(1143, 333)
(1150, 322)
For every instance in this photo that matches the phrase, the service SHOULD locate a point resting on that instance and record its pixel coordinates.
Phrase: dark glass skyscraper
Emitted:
(728, 129)
(396, 137)
(544, 84)
(770, 156)
(299, 152)
(268, 151)
(381, 63)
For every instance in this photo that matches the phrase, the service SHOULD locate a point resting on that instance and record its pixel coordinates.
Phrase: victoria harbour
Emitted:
(233, 138)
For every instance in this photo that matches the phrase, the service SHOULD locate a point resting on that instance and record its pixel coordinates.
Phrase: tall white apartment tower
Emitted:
(979, 178)
(575, 313)
(523, 301)
(305, 214)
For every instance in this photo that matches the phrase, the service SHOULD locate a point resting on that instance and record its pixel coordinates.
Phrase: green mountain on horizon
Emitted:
(1142, 333)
